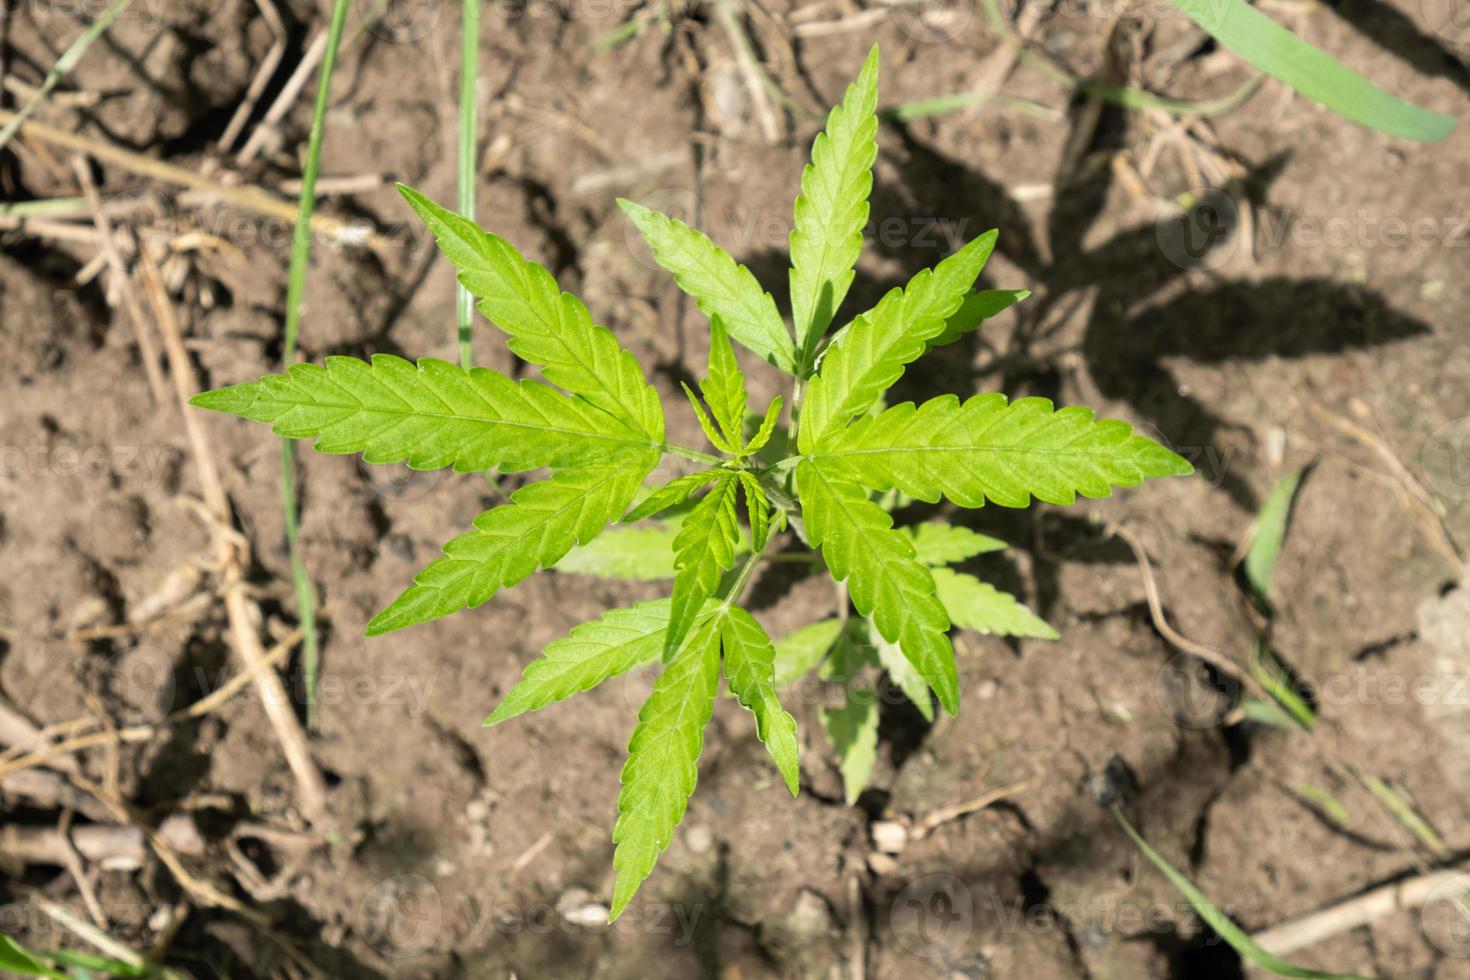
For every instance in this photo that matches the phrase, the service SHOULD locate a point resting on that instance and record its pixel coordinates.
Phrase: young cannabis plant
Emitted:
(595, 422)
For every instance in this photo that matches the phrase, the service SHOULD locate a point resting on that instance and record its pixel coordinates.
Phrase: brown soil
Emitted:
(461, 848)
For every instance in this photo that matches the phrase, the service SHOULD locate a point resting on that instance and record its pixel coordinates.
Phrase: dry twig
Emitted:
(250, 198)
(263, 74)
(750, 70)
(247, 644)
(146, 349)
(928, 823)
(1361, 910)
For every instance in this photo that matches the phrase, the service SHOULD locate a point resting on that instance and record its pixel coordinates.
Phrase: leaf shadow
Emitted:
(1397, 33)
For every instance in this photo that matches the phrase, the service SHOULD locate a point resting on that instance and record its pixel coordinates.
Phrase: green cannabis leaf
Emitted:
(865, 359)
(590, 654)
(724, 389)
(635, 554)
(546, 326)
(860, 547)
(750, 660)
(719, 286)
(799, 651)
(852, 728)
(936, 543)
(671, 494)
(539, 525)
(980, 606)
(827, 235)
(704, 549)
(815, 489)
(976, 308)
(431, 416)
(663, 757)
(985, 449)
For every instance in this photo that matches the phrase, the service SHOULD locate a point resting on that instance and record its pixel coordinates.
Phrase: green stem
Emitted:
(468, 74)
(295, 290)
(798, 390)
(777, 494)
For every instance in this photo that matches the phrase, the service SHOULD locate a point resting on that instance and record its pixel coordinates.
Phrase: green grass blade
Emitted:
(97, 964)
(1129, 97)
(64, 64)
(1325, 801)
(1274, 679)
(954, 101)
(468, 76)
(1219, 921)
(1403, 811)
(1311, 71)
(1267, 713)
(15, 958)
(43, 208)
(305, 593)
(295, 290)
(618, 36)
(1268, 536)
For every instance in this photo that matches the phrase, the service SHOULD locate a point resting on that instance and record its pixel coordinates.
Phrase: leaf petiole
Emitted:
(687, 453)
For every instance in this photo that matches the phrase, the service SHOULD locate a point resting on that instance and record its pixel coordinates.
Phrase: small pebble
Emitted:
(889, 836)
(699, 839)
(882, 865)
(577, 907)
(810, 916)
